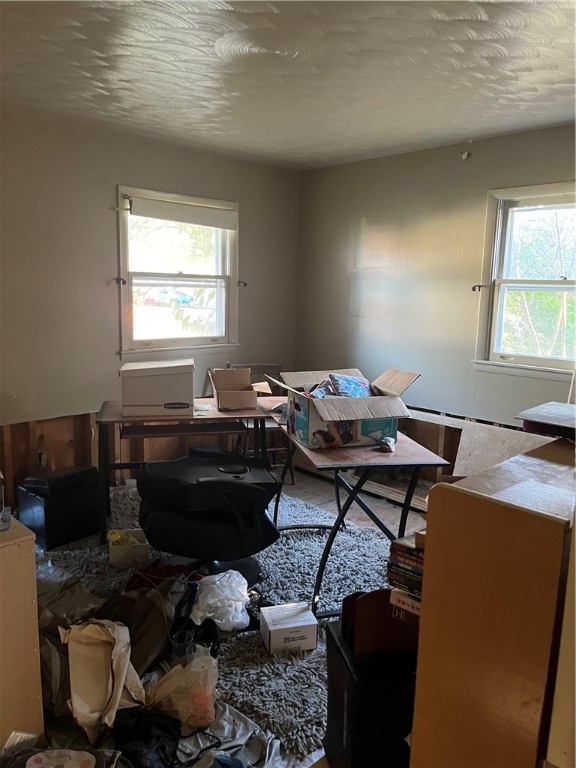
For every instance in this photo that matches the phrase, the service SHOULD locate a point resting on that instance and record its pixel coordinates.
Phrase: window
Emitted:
(178, 270)
(530, 306)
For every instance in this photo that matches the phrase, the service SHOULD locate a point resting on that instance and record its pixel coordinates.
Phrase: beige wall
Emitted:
(59, 334)
(388, 252)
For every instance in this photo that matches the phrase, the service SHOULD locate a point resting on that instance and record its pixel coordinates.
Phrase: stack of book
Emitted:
(406, 566)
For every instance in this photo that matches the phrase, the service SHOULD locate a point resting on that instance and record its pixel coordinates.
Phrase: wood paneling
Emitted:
(36, 446)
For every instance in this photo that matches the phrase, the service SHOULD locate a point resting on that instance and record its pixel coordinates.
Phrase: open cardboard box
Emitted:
(127, 546)
(334, 422)
(233, 390)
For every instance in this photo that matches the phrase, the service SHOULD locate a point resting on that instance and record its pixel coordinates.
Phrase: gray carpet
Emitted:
(284, 694)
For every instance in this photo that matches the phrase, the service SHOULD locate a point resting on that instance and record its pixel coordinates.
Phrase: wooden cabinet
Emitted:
(561, 744)
(493, 597)
(20, 687)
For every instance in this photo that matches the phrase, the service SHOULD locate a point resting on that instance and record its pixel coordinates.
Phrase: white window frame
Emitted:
(493, 283)
(216, 213)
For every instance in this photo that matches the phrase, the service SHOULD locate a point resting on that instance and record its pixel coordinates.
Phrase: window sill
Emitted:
(175, 353)
(526, 371)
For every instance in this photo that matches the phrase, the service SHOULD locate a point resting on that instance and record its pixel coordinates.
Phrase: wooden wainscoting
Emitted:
(36, 446)
(469, 445)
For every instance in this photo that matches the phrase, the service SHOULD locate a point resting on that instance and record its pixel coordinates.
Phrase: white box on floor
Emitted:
(288, 627)
(162, 388)
(127, 546)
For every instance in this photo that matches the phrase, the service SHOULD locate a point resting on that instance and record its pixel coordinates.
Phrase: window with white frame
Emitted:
(529, 302)
(178, 271)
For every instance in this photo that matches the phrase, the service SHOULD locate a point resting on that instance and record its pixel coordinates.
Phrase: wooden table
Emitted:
(555, 419)
(364, 459)
(207, 419)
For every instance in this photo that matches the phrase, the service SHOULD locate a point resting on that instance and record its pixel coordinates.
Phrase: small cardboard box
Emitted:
(233, 390)
(163, 388)
(127, 546)
(334, 422)
(288, 627)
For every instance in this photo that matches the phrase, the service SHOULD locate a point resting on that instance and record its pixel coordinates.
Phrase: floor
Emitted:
(319, 491)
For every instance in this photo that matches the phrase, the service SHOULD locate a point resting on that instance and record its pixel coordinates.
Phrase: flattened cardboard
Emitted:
(333, 422)
(394, 382)
(302, 380)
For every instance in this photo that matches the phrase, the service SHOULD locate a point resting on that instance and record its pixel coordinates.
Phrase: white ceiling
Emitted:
(302, 84)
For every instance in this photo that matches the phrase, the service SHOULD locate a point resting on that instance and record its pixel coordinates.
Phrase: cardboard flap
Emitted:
(394, 382)
(236, 380)
(283, 385)
(263, 387)
(230, 379)
(355, 408)
(299, 380)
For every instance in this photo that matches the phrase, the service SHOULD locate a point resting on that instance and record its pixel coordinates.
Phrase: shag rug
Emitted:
(285, 694)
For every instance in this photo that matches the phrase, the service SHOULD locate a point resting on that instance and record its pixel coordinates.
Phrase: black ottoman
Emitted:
(60, 506)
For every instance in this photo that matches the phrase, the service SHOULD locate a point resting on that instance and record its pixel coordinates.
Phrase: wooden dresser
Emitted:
(493, 601)
(20, 686)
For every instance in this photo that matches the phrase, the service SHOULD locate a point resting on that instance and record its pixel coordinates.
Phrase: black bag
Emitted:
(147, 739)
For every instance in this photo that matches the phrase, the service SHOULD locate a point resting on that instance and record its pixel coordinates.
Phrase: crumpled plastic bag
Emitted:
(223, 598)
(187, 692)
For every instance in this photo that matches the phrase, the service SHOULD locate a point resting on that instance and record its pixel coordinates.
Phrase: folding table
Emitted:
(207, 419)
(364, 459)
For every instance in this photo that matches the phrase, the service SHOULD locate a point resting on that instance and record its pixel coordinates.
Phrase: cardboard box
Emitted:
(334, 422)
(163, 388)
(127, 546)
(288, 627)
(233, 390)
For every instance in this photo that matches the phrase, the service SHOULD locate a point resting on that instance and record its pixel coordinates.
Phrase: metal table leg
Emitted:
(103, 480)
(288, 463)
(408, 501)
(352, 496)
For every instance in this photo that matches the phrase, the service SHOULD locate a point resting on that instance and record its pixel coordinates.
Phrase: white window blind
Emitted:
(215, 213)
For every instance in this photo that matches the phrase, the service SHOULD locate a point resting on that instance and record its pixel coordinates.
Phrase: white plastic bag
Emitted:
(187, 692)
(222, 598)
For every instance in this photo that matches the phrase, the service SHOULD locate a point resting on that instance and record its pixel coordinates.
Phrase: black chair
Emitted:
(209, 507)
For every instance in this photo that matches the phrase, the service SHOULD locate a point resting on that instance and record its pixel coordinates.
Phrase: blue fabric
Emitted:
(227, 761)
(324, 389)
(350, 386)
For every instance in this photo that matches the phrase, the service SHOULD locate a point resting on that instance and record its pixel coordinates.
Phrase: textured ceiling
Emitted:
(303, 84)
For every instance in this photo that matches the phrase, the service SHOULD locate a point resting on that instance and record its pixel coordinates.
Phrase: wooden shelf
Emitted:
(492, 605)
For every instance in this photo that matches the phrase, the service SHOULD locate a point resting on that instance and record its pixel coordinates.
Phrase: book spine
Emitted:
(404, 545)
(405, 581)
(405, 600)
(415, 573)
(400, 549)
(409, 564)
